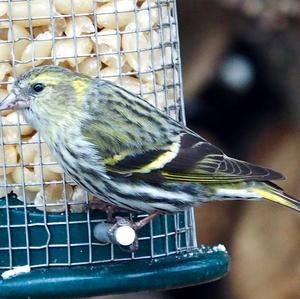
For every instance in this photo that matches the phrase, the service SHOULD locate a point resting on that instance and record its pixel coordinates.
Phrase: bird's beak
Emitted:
(11, 102)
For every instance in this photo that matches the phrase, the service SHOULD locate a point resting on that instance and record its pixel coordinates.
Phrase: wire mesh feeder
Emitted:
(44, 225)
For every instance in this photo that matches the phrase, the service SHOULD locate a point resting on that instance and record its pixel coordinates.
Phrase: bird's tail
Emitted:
(274, 193)
(255, 191)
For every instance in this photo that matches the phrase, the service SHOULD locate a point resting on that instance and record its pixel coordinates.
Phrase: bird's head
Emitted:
(46, 92)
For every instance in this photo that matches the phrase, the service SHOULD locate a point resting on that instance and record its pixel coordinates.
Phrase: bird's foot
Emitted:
(134, 227)
(123, 231)
(110, 210)
(139, 224)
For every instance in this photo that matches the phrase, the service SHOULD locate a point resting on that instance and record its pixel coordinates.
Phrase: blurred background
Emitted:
(241, 70)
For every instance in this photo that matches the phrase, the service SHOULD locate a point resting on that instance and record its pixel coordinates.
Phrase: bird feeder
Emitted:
(54, 240)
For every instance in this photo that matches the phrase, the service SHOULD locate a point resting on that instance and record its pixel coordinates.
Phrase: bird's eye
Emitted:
(38, 87)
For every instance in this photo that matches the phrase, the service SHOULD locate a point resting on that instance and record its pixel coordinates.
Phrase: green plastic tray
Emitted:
(198, 266)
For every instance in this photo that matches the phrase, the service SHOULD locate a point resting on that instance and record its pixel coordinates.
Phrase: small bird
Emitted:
(125, 151)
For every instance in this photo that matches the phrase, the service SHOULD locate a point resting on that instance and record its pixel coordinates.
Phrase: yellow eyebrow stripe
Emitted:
(80, 85)
(46, 78)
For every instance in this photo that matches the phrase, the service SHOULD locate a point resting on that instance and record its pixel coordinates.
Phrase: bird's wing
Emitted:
(134, 138)
(189, 158)
(200, 161)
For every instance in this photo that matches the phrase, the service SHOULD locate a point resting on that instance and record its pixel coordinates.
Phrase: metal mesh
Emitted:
(132, 43)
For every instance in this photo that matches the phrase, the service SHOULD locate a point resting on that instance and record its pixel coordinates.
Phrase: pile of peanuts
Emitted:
(118, 40)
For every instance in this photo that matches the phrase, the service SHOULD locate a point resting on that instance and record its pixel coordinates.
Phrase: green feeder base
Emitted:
(195, 267)
(67, 261)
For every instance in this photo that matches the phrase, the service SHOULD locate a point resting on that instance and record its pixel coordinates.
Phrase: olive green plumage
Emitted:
(128, 153)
